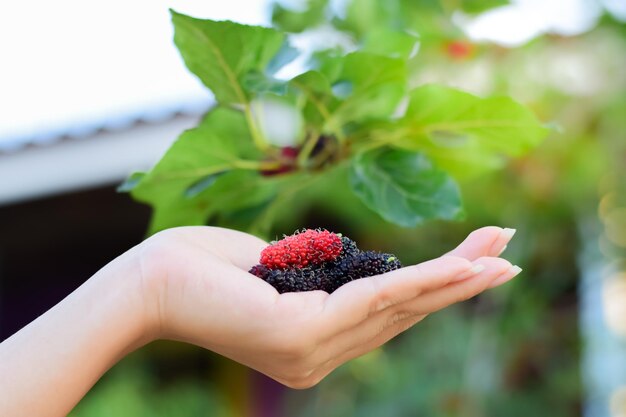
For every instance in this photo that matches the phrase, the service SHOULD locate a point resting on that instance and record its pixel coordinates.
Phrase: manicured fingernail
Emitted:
(511, 273)
(508, 233)
(505, 237)
(475, 269)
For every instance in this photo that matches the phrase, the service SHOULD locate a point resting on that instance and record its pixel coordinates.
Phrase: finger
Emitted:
(387, 324)
(359, 299)
(421, 304)
(496, 271)
(352, 304)
(341, 357)
(506, 277)
(240, 249)
(371, 332)
(487, 241)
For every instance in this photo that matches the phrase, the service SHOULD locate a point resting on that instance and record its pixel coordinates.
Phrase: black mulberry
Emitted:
(364, 264)
(350, 264)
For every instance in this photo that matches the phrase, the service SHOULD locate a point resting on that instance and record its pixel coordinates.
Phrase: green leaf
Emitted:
(479, 6)
(202, 184)
(342, 89)
(404, 187)
(428, 18)
(232, 191)
(329, 62)
(317, 93)
(391, 43)
(284, 56)
(258, 82)
(362, 16)
(378, 85)
(463, 133)
(221, 53)
(218, 144)
(131, 182)
(312, 81)
(431, 19)
(314, 13)
(211, 173)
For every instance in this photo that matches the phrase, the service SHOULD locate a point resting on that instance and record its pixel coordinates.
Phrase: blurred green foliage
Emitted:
(514, 351)
(133, 389)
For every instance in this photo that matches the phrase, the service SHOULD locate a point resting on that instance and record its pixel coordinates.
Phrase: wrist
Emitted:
(152, 259)
(144, 289)
(129, 299)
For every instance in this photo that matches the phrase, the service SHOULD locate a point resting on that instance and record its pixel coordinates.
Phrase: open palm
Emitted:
(204, 295)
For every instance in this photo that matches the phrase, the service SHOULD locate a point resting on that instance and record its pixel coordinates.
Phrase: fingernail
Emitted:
(475, 269)
(508, 233)
(511, 273)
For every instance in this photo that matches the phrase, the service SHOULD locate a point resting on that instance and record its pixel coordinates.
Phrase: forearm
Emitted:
(49, 365)
(195, 287)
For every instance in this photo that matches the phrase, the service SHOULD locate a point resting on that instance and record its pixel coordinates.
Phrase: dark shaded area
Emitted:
(50, 247)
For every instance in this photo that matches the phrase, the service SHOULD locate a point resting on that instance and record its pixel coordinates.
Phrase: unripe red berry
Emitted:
(302, 249)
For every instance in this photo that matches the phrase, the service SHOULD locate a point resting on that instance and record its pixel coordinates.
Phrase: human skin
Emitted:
(191, 284)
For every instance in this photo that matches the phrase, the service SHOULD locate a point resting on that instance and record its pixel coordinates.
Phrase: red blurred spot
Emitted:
(289, 152)
(460, 49)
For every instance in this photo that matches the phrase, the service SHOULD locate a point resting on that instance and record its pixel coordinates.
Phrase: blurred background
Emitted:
(92, 91)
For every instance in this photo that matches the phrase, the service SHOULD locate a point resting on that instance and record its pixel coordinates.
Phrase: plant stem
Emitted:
(255, 165)
(236, 164)
(375, 144)
(328, 118)
(257, 137)
(308, 147)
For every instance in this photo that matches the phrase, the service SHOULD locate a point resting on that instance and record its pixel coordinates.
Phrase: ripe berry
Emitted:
(287, 161)
(302, 249)
(364, 264)
(318, 260)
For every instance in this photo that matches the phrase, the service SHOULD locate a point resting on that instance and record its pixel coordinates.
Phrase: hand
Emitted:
(199, 291)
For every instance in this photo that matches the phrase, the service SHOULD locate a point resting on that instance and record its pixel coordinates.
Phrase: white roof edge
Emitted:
(71, 165)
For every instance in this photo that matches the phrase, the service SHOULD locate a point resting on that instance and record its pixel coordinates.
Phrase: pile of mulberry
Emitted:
(318, 260)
